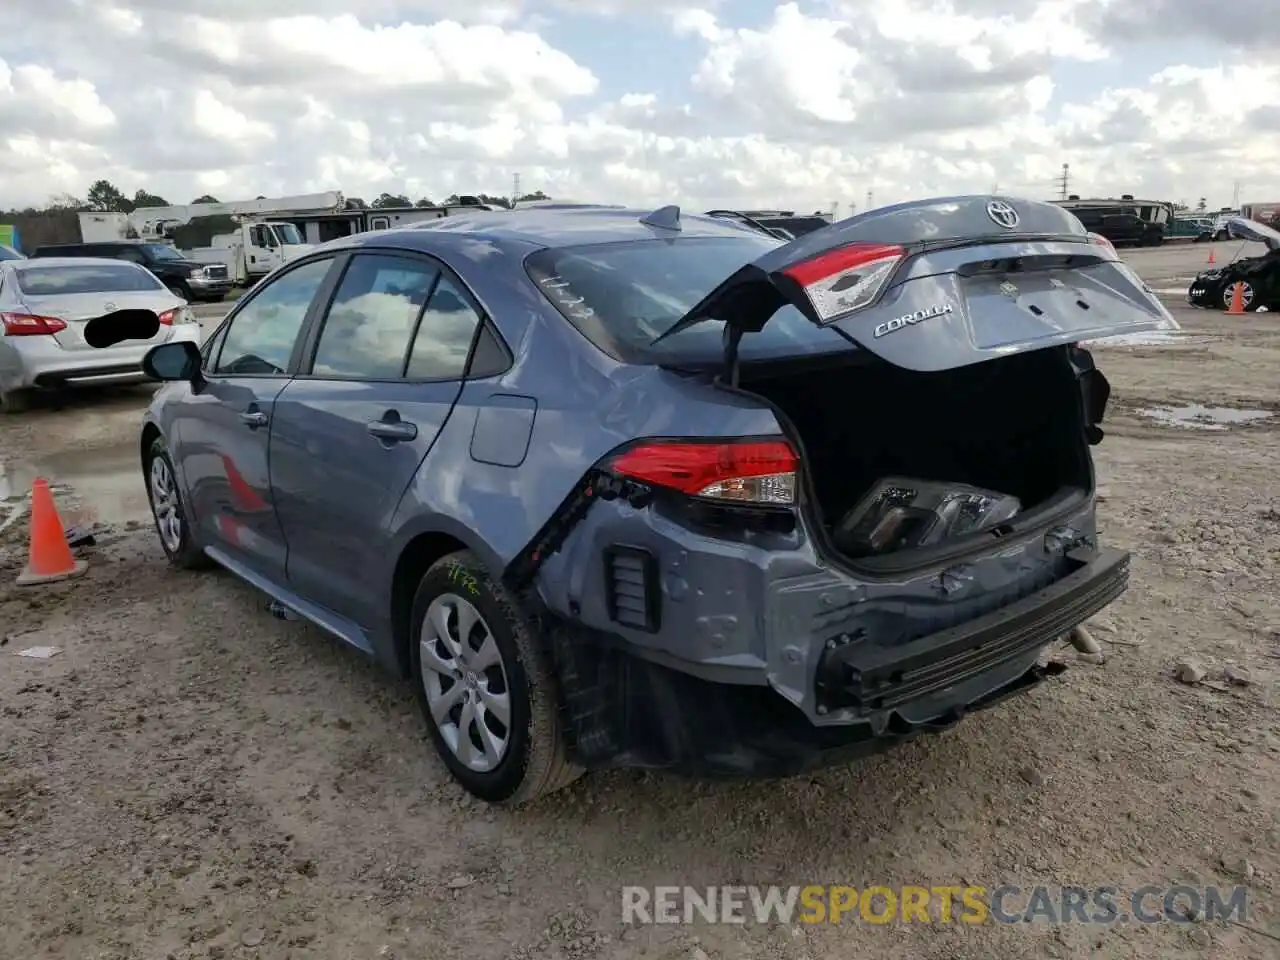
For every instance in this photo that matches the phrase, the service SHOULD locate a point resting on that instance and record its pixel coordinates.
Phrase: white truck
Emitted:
(260, 239)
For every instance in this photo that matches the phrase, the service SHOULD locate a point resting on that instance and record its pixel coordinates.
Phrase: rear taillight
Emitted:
(169, 317)
(736, 471)
(844, 280)
(30, 325)
(1101, 241)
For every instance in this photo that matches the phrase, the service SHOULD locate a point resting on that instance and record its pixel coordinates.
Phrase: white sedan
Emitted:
(47, 306)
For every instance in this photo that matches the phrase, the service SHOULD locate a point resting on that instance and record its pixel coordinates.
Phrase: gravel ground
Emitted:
(191, 777)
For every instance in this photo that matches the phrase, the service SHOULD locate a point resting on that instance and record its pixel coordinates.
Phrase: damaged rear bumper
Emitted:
(624, 710)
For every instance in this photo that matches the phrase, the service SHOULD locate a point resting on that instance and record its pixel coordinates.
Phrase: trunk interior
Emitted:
(1013, 425)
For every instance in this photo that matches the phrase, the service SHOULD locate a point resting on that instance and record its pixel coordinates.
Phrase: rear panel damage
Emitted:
(740, 630)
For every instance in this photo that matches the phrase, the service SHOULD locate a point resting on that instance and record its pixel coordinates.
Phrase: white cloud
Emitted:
(811, 103)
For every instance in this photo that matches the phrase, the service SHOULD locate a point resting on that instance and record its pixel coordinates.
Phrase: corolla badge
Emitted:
(1002, 214)
(911, 319)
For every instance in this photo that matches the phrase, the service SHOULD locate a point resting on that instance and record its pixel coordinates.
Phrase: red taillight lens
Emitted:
(167, 318)
(747, 471)
(1101, 241)
(847, 279)
(30, 325)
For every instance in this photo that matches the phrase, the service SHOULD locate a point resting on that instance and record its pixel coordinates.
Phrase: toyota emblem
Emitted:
(1002, 214)
(108, 306)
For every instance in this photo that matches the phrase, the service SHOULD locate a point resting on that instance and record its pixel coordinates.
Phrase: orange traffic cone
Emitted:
(1212, 258)
(49, 557)
(1237, 299)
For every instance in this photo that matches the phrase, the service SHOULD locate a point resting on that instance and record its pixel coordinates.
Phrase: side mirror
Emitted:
(173, 361)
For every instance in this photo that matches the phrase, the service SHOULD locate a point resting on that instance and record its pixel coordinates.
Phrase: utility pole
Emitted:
(515, 189)
(1064, 181)
(1235, 197)
(869, 195)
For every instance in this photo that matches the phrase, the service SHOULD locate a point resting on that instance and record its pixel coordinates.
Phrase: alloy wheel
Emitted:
(465, 682)
(165, 504)
(1246, 295)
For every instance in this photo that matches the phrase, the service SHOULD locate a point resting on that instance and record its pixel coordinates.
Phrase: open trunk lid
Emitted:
(942, 283)
(1244, 229)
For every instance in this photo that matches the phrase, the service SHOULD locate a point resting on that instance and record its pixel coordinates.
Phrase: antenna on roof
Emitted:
(664, 218)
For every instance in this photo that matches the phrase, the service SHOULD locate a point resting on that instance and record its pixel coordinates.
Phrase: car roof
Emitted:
(93, 243)
(542, 228)
(40, 263)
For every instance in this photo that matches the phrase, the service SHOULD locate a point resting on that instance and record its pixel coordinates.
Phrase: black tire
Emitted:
(534, 763)
(185, 555)
(15, 401)
(179, 290)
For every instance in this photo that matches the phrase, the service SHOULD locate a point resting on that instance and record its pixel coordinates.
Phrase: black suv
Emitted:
(185, 278)
(1121, 226)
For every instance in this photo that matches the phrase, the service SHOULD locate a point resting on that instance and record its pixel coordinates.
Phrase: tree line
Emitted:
(104, 196)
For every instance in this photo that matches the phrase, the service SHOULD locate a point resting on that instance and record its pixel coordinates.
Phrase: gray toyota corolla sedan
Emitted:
(639, 488)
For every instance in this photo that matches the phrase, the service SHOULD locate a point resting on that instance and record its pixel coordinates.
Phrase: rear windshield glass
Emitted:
(160, 251)
(624, 295)
(96, 278)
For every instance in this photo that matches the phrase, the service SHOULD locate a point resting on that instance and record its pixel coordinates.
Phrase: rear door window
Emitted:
(370, 324)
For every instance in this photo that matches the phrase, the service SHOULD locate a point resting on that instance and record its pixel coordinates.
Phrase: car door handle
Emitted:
(254, 418)
(393, 430)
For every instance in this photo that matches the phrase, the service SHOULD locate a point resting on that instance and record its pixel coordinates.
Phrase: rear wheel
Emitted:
(15, 401)
(167, 511)
(486, 692)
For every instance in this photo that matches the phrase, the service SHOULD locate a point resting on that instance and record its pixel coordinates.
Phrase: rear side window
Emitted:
(444, 336)
(623, 295)
(102, 277)
(370, 324)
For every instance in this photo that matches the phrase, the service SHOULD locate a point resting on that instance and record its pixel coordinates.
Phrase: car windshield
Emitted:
(622, 296)
(287, 233)
(162, 251)
(49, 281)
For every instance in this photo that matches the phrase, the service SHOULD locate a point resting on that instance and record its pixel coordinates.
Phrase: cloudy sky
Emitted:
(708, 102)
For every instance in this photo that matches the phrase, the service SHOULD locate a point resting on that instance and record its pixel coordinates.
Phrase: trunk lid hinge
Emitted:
(732, 341)
(1095, 392)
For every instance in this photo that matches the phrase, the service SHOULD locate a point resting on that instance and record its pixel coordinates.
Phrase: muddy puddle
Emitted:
(1196, 416)
(106, 483)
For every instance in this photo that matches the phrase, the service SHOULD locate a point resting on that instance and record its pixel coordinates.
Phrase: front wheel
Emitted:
(167, 511)
(1246, 295)
(486, 692)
